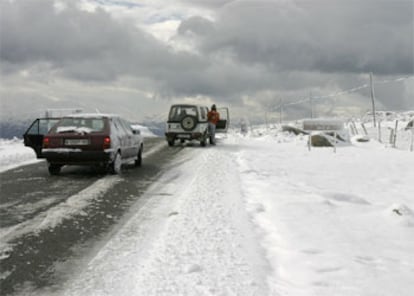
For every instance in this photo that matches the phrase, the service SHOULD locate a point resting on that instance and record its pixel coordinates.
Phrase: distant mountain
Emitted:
(12, 129)
(158, 128)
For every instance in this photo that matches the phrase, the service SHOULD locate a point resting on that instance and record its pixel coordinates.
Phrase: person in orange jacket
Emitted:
(213, 117)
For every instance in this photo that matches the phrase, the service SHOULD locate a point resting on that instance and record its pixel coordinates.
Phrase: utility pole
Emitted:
(372, 99)
(281, 111)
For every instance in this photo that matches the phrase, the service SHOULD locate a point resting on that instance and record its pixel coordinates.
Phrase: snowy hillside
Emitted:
(260, 214)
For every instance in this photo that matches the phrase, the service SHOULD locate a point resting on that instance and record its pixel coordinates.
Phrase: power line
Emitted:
(310, 99)
(346, 91)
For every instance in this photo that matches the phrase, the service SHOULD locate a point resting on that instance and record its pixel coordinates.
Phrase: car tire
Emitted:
(188, 123)
(138, 161)
(116, 164)
(100, 168)
(54, 169)
(171, 143)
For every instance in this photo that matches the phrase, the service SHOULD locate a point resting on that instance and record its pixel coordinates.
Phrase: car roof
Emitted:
(91, 115)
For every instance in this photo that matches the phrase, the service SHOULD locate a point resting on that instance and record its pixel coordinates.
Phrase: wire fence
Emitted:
(391, 129)
(310, 101)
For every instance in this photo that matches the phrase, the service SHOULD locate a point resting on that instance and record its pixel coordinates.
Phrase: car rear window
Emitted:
(84, 125)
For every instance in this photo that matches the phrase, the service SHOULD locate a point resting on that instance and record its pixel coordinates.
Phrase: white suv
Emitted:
(189, 122)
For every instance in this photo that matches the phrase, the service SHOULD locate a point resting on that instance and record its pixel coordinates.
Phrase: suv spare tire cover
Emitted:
(188, 123)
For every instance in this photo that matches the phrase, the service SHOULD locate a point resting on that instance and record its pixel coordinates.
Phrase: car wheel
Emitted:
(138, 161)
(100, 168)
(54, 169)
(115, 165)
(188, 123)
(171, 143)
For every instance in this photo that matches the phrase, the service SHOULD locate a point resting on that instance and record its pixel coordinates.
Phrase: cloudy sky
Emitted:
(137, 57)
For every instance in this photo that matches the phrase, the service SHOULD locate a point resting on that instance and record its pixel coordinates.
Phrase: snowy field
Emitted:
(13, 154)
(262, 215)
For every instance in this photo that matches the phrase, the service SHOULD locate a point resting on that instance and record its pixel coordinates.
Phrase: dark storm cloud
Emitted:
(92, 46)
(320, 35)
(83, 45)
(33, 31)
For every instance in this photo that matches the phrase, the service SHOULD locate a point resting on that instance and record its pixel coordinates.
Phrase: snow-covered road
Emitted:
(193, 237)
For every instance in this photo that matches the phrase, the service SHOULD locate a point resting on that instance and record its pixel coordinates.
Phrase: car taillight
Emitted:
(107, 143)
(46, 142)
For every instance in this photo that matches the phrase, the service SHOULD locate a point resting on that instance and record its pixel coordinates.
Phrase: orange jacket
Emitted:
(213, 116)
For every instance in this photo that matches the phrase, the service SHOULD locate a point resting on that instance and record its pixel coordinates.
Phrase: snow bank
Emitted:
(13, 153)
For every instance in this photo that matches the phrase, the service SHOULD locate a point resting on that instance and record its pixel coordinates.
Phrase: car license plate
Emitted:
(76, 142)
(183, 136)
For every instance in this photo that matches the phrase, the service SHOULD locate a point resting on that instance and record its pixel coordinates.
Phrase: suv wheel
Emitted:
(203, 140)
(188, 123)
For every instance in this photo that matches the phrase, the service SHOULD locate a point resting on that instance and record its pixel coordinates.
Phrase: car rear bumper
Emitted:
(76, 156)
(183, 136)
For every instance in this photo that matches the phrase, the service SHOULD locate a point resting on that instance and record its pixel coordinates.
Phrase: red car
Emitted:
(101, 140)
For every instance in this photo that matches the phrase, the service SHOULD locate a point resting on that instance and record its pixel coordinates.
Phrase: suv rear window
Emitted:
(84, 124)
(179, 112)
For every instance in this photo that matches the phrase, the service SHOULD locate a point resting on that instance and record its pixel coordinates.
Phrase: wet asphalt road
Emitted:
(33, 259)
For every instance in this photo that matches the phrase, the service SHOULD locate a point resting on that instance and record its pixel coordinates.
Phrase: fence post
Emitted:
(355, 128)
(394, 144)
(365, 129)
(372, 98)
(391, 135)
(351, 127)
(379, 132)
